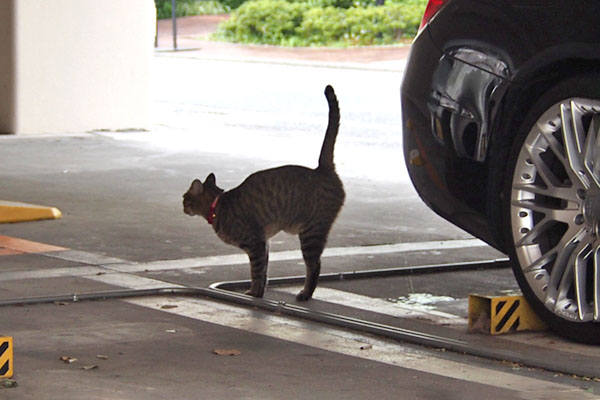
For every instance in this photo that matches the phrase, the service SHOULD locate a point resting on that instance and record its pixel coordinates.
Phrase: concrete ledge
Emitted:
(20, 212)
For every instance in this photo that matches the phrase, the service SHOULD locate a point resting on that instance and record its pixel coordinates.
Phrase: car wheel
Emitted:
(553, 205)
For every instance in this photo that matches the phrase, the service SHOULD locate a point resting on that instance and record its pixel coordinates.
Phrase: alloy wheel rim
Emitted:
(555, 209)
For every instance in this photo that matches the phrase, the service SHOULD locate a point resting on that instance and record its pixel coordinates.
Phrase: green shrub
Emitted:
(337, 3)
(353, 26)
(320, 23)
(186, 8)
(232, 4)
(264, 21)
(412, 13)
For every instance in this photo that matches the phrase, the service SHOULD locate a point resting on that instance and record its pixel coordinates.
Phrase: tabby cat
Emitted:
(295, 199)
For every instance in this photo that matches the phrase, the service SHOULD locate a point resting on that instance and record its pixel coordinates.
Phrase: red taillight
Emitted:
(433, 6)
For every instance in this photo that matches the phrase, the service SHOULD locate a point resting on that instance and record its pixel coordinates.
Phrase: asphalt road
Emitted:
(123, 227)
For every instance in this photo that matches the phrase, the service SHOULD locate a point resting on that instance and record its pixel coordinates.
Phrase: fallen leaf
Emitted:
(61, 303)
(100, 356)
(68, 360)
(89, 367)
(227, 352)
(8, 383)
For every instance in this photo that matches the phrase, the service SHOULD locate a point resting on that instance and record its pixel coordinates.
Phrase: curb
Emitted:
(381, 66)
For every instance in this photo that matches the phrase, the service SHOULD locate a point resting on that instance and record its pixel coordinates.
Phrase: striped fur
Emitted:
(295, 199)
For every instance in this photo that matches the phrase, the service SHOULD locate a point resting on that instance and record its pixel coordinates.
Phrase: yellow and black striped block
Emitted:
(497, 314)
(6, 357)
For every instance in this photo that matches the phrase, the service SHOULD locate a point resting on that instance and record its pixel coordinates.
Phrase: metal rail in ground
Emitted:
(222, 291)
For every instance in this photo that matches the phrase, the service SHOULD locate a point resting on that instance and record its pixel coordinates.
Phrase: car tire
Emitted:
(551, 207)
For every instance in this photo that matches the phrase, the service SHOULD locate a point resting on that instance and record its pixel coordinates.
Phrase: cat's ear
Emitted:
(196, 188)
(210, 180)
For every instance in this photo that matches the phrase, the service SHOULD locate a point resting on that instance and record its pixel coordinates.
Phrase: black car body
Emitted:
(478, 78)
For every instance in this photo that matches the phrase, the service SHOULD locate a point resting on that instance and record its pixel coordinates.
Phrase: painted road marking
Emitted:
(341, 341)
(380, 306)
(11, 245)
(107, 264)
(291, 255)
(133, 281)
(8, 252)
(85, 257)
(355, 345)
(51, 273)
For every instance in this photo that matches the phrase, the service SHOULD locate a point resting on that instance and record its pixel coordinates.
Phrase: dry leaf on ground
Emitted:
(8, 383)
(227, 352)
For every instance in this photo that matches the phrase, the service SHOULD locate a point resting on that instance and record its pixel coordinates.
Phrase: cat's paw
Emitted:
(302, 296)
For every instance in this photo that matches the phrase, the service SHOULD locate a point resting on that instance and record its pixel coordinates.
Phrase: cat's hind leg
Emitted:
(312, 244)
(258, 253)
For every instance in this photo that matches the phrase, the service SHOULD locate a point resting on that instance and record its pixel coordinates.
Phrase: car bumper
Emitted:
(447, 107)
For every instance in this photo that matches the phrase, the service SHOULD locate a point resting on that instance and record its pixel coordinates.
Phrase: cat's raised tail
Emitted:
(326, 157)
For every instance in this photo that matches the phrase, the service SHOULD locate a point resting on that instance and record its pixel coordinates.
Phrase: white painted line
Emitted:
(380, 306)
(50, 273)
(132, 281)
(290, 255)
(403, 247)
(350, 343)
(231, 259)
(84, 257)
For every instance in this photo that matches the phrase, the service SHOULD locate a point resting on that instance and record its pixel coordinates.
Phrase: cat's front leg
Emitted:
(259, 260)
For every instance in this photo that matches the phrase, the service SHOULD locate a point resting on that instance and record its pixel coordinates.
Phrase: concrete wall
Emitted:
(75, 65)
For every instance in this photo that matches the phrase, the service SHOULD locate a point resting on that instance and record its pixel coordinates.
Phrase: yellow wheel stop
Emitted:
(502, 313)
(6, 357)
(21, 212)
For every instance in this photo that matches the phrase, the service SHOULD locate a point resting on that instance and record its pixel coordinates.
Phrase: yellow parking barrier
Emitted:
(6, 357)
(20, 212)
(498, 314)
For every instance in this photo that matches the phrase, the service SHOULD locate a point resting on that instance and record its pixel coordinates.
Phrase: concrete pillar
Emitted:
(7, 65)
(75, 65)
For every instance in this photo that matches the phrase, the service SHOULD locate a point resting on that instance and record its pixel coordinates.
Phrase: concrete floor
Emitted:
(123, 227)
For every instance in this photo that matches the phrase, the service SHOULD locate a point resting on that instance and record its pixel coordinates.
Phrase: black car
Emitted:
(501, 114)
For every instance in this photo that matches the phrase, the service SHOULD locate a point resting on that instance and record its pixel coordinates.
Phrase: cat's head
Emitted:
(199, 197)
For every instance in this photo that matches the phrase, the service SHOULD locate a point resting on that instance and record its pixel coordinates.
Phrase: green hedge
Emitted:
(186, 8)
(319, 22)
(337, 3)
(307, 22)
(264, 21)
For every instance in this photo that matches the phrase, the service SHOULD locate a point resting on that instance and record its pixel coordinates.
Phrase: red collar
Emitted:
(212, 212)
